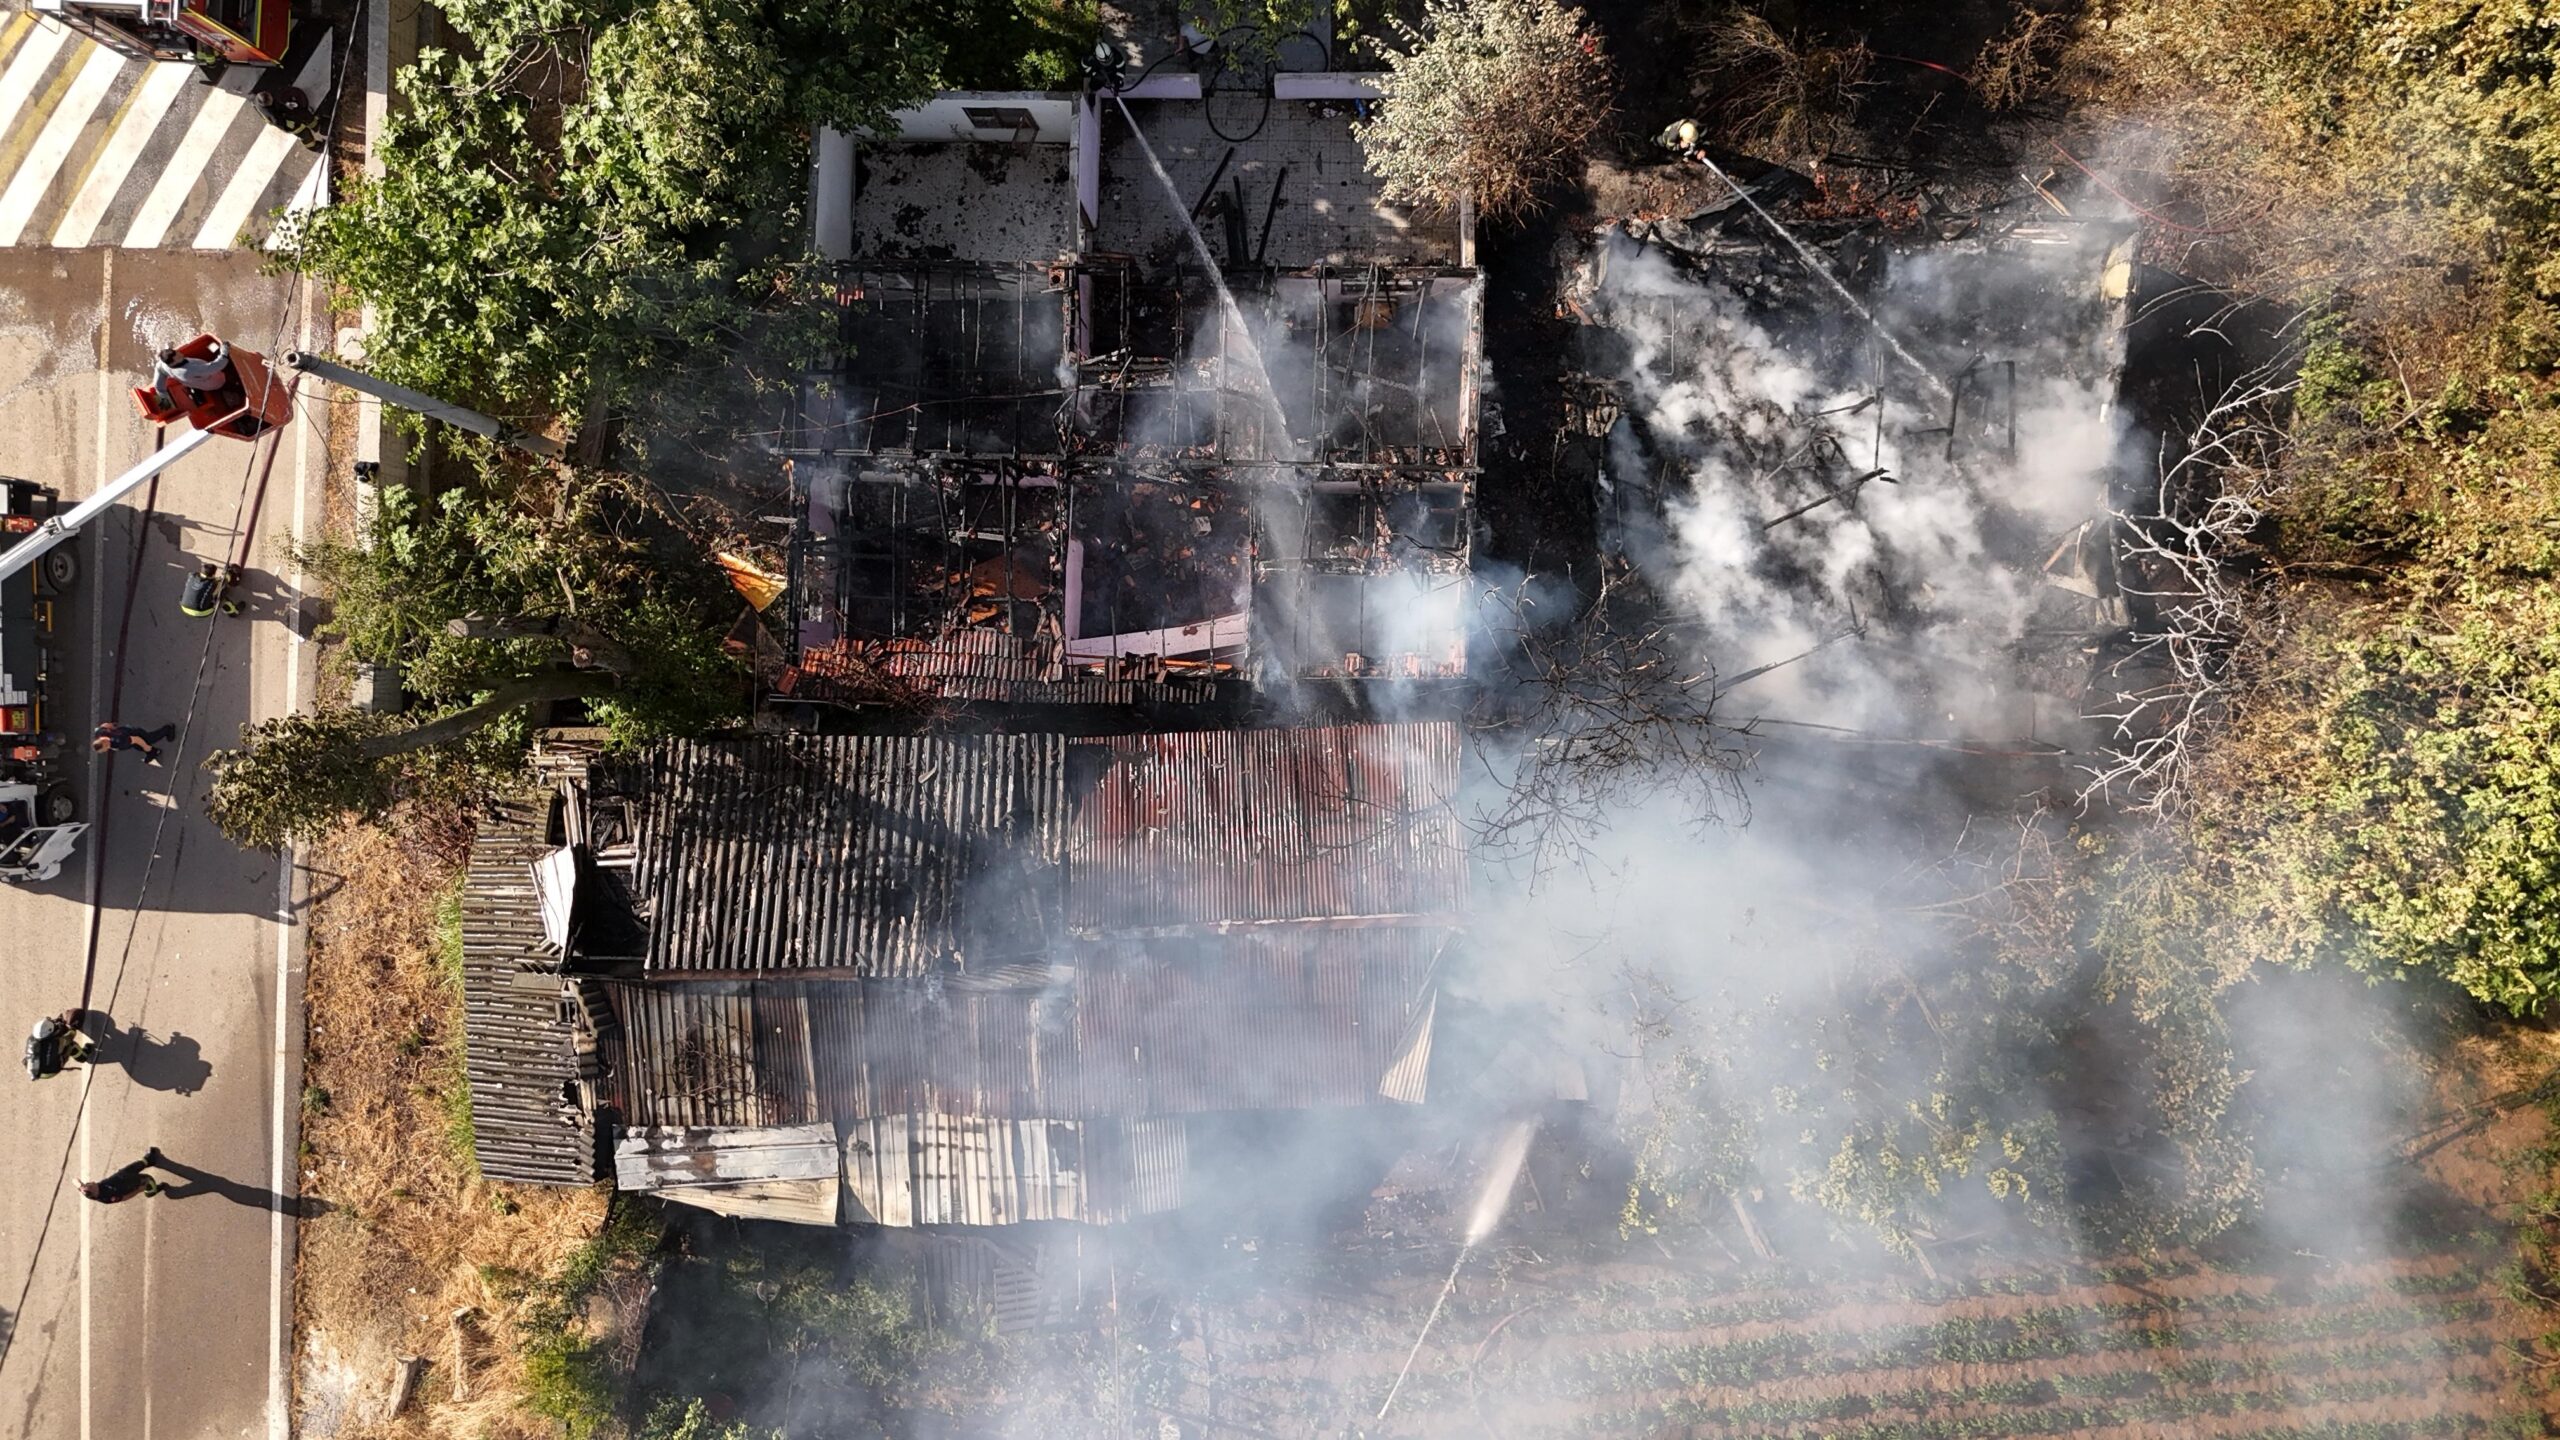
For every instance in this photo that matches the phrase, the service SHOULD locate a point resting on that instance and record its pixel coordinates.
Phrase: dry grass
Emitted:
(1775, 95)
(2018, 66)
(410, 1228)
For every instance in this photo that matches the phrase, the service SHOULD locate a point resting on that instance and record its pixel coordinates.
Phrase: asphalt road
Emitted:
(161, 1316)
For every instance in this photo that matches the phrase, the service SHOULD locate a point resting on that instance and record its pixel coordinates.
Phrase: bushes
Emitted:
(570, 1376)
(2385, 797)
(2396, 151)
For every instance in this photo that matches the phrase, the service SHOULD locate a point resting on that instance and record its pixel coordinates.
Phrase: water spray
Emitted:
(1229, 312)
(1499, 1177)
(1812, 262)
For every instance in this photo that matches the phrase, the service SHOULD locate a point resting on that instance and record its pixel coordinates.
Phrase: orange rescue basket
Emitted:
(252, 400)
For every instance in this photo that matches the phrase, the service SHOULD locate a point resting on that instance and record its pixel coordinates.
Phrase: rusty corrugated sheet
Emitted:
(1291, 1019)
(1228, 826)
(892, 855)
(517, 1054)
(945, 1170)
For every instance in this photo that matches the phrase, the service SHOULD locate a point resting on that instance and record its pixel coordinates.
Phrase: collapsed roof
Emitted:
(1033, 473)
(1004, 930)
(1894, 502)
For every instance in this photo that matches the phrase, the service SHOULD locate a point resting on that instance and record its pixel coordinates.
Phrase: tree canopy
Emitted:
(604, 196)
(567, 586)
(1486, 100)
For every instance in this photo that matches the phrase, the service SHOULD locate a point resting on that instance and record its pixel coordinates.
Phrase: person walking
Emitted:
(111, 736)
(58, 1041)
(126, 1183)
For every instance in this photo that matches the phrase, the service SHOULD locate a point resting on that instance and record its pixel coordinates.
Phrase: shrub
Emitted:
(1489, 99)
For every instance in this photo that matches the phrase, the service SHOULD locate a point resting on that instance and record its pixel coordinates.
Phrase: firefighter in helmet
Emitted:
(209, 589)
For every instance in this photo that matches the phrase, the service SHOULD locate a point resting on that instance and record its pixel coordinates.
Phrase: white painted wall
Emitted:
(946, 117)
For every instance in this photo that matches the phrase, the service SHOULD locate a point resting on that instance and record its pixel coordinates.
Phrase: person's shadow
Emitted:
(175, 1064)
(205, 1182)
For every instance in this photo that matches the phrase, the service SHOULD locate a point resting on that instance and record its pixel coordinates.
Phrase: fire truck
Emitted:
(218, 390)
(292, 65)
(39, 809)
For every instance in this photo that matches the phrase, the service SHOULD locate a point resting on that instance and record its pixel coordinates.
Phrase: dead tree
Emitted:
(1609, 706)
(2176, 555)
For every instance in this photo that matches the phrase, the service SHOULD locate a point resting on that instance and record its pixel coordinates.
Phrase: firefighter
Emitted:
(205, 377)
(126, 1183)
(111, 737)
(207, 589)
(57, 1041)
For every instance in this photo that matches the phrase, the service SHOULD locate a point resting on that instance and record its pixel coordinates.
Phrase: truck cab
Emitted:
(30, 849)
(37, 802)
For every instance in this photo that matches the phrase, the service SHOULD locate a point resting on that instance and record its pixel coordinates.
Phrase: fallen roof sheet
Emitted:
(1292, 1019)
(791, 1173)
(942, 1170)
(1224, 828)
(519, 1057)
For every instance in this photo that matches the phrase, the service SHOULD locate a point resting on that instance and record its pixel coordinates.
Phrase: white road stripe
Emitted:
(97, 777)
(107, 174)
(160, 208)
(308, 196)
(62, 129)
(26, 68)
(279, 1360)
(222, 226)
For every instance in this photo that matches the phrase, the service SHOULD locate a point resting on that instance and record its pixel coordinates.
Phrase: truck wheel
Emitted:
(61, 805)
(61, 567)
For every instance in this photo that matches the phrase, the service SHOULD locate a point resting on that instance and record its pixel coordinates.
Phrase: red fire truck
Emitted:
(38, 806)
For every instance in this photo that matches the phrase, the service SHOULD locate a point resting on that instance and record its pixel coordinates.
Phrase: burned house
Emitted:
(1877, 454)
(1055, 459)
(954, 980)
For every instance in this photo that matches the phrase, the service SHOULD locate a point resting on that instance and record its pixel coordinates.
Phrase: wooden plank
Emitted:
(799, 1202)
(664, 1157)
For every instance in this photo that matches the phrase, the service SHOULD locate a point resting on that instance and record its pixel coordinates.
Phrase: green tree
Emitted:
(574, 587)
(603, 199)
(1488, 100)
(691, 1420)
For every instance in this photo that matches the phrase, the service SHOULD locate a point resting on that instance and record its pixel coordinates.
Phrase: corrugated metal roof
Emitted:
(942, 1170)
(1289, 1019)
(1225, 826)
(890, 855)
(989, 666)
(517, 1054)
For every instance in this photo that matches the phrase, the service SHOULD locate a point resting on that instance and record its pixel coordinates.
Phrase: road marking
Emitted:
(308, 196)
(151, 100)
(25, 69)
(279, 1407)
(62, 131)
(97, 773)
(21, 135)
(169, 194)
(222, 225)
(150, 1235)
(16, 30)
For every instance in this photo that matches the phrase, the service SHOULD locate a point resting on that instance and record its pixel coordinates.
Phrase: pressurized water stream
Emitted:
(1229, 313)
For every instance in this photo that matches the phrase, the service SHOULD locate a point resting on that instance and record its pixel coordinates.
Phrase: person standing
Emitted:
(126, 1183)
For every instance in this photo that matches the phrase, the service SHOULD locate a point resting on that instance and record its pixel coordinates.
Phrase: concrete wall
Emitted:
(946, 116)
